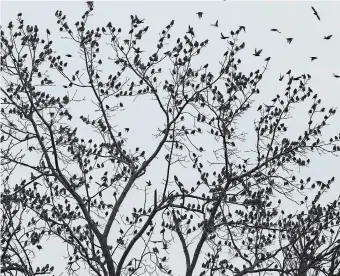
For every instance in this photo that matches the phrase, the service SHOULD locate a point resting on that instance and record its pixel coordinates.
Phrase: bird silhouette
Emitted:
(148, 182)
(216, 24)
(257, 52)
(90, 4)
(289, 71)
(200, 14)
(316, 13)
(242, 28)
(275, 30)
(267, 59)
(138, 21)
(224, 37)
(281, 77)
(328, 37)
(313, 58)
(336, 76)
(137, 50)
(289, 40)
(191, 31)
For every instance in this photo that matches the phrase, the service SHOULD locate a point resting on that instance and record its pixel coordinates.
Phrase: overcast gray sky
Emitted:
(294, 19)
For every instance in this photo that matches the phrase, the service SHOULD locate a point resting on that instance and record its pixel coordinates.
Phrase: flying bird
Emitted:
(257, 52)
(313, 58)
(138, 21)
(316, 13)
(336, 76)
(137, 50)
(224, 37)
(200, 14)
(275, 30)
(289, 40)
(216, 24)
(90, 4)
(267, 59)
(281, 77)
(242, 28)
(328, 37)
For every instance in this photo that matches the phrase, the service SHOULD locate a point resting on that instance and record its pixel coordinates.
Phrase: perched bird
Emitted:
(289, 40)
(48, 31)
(200, 14)
(267, 59)
(275, 30)
(242, 28)
(257, 52)
(289, 71)
(90, 4)
(68, 55)
(281, 77)
(224, 37)
(216, 24)
(313, 58)
(336, 76)
(328, 37)
(191, 31)
(316, 13)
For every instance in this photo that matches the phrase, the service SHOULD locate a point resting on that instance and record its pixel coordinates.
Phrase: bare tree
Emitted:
(77, 188)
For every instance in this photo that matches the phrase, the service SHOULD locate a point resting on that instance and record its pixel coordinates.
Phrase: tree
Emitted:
(78, 189)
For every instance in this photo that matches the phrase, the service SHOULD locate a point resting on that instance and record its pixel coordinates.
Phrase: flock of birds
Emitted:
(257, 52)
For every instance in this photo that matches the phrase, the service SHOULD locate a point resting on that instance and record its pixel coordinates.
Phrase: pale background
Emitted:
(293, 19)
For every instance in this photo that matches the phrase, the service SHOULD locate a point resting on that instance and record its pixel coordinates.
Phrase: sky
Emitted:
(293, 18)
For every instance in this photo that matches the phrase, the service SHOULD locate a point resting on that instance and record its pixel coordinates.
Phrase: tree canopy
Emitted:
(71, 174)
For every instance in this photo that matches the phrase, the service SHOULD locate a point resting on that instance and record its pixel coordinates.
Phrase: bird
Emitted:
(257, 52)
(138, 21)
(191, 31)
(313, 58)
(216, 24)
(336, 76)
(242, 28)
(68, 55)
(48, 31)
(281, 77)
(275, 30)
(137, 50)
(224, 37)
(148, 182)
(90, 4)
(289, 40)
(267, 59)
(200, 14)
(328, 37)
(316, 13)
(289, 71)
